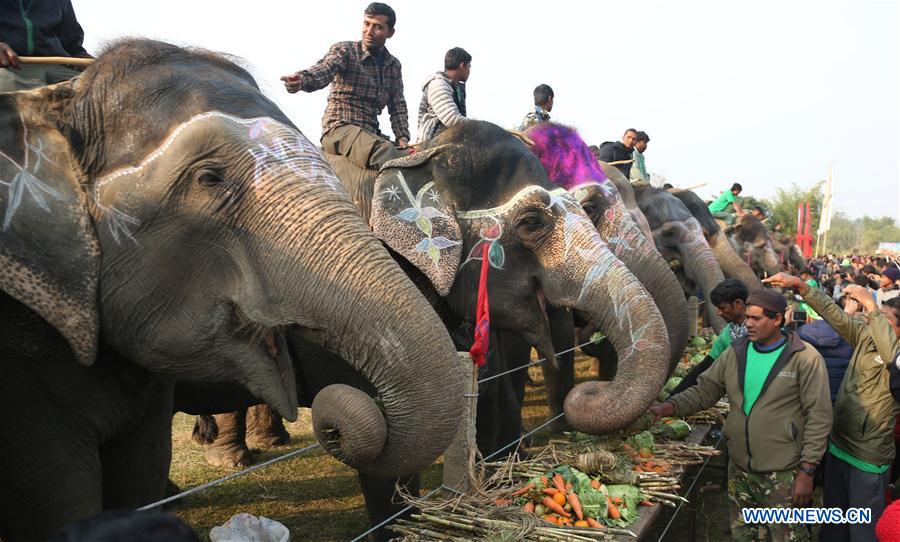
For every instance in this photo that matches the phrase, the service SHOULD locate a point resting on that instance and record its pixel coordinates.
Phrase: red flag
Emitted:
(482, 314)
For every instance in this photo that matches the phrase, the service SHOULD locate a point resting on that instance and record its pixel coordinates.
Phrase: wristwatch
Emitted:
(809, 470)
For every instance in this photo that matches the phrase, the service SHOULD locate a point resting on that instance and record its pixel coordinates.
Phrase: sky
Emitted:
(762, 93)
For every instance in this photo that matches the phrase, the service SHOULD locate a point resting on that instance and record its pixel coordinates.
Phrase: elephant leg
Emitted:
(265, 428)
(229, 449)
(487, 413)
(560, 382)
(382, 501)
(136, 464)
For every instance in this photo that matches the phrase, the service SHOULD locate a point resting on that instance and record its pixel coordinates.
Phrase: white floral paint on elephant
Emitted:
(25, 178)
(278, 152)
(583, 251)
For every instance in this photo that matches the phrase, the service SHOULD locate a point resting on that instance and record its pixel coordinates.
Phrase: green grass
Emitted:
(318, 498)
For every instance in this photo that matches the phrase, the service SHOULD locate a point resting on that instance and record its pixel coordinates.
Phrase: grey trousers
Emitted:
(31, 76)
(362, 147)
(848, 487)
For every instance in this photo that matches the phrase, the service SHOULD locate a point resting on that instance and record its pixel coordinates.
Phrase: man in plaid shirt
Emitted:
(364, 78)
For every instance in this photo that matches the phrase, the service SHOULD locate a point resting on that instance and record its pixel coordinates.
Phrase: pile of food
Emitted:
(581, 488)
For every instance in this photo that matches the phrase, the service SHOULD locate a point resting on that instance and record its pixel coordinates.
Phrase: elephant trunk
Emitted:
(393, 338)
(771, 264)
(733, 266)
(613, 300)
(701, 267)
(632, 247)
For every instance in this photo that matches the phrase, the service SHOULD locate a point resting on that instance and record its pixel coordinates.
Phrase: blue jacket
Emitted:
(836, 351)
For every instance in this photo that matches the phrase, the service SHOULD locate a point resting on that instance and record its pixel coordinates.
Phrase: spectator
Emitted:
(834, 350)
(861, 445)
(638, 171)
(444, 95)
(364, 78)
(49, 29)
(728, 297)
(543, 104)
(838, 288)
(719, 208)
(619, 151)
(777, 428)
(888, 285)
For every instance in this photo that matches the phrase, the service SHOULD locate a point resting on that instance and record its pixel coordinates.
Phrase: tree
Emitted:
(784, 206)
(860, 236)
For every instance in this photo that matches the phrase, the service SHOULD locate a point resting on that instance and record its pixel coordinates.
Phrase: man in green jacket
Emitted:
(777, 428)
(861, 446)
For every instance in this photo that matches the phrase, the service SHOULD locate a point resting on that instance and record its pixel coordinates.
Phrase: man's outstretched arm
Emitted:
(320, 74)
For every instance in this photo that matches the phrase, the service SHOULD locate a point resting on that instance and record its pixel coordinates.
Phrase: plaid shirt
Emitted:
(360, 88)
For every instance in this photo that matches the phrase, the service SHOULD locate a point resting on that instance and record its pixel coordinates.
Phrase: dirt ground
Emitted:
(318, 498)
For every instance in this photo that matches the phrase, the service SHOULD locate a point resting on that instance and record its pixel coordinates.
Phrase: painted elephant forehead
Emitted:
(526, 196)
(272, 145)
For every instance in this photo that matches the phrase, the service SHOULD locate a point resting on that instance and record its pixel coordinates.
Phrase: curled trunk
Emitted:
(733, 266)
(700, 266)
(632, 247)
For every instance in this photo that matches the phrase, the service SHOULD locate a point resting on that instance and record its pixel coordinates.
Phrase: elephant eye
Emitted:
(209, 177)
(530, 223)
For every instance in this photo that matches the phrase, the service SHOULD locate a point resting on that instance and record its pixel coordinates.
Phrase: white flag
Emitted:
(825, 215)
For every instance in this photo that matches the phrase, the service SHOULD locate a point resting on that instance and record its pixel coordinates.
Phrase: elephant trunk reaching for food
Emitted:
(732, 264)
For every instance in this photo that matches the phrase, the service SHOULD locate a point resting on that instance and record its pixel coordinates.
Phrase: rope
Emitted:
(435, 490)
(229, 477)
(688, 492)
(498, 375)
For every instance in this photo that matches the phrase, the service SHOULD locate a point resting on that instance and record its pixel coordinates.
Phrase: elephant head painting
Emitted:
(160, 219)
(570, 164)
(476, 190)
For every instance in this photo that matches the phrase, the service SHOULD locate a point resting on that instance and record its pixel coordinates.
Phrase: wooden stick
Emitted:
(701, 185)
(71, 61)
(620, 162)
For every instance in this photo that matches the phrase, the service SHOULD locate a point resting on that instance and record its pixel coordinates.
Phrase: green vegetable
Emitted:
(631, 497)
(593, 503)
(673, 428)
(698, 341)
(641, 440)
(540, 511)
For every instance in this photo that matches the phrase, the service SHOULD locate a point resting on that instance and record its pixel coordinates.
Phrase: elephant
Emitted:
(751, 239)
(788, 251)
(679, 238)
(606, 197)
(163, 220)
(733, 265)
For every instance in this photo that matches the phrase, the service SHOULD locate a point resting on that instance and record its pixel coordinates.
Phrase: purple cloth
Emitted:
(566, 157)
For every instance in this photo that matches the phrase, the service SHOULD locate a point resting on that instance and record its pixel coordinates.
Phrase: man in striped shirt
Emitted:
(444, 95)
(364, 78)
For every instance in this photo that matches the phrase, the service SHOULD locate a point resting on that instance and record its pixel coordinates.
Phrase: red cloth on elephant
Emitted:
(482, 313)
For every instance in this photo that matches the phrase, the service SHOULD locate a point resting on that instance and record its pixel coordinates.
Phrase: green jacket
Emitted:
(864, 410)
(789, 421)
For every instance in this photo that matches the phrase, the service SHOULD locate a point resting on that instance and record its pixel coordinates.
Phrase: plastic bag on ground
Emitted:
(248, 528)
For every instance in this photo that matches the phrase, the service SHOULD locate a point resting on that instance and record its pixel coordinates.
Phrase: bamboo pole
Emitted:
(67, 60)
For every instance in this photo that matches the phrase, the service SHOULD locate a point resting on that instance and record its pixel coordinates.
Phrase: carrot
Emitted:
(560, 498)
(613, 511)
(545, 482)
(595, 484)
(576, 505)
(529, 507)
(550, 518)
(559, 483)
(501, 502)
(646, 503)
(524, 490)
(638, 468)
(569, 487)
(550, 504)
(594, 523)
(581, 523)
(550, 491)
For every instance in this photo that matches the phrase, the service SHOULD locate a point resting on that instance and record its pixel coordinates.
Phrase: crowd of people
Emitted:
(815, 399)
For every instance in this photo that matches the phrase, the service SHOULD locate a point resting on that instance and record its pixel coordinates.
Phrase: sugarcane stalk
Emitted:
(666, 496)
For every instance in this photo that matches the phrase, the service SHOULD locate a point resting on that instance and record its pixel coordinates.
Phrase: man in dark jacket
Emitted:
(780, 416)
(835, 351)
(619, 151)
(43, 28)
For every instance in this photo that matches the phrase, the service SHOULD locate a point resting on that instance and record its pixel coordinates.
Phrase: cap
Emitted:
(767, 299)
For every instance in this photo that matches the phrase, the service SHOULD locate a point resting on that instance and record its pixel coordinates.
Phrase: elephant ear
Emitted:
(416, 219)
(49, 252)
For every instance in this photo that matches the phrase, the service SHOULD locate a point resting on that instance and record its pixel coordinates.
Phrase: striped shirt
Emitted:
(442, 106)
(361, 86)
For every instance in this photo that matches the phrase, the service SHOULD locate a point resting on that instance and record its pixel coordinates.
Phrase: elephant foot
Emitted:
(230, 457)
(265, 428)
